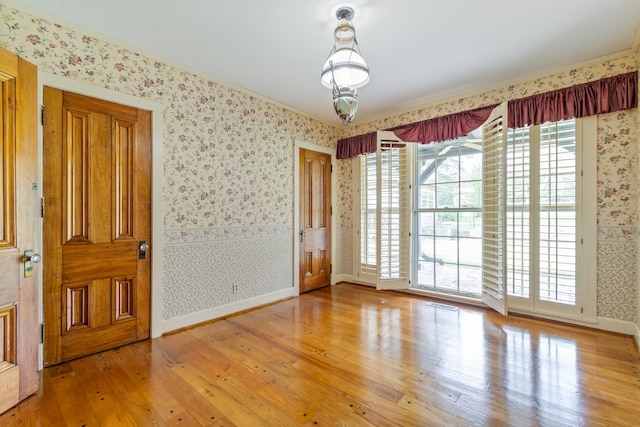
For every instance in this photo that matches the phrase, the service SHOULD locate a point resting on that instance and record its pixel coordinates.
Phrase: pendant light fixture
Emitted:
(345, 70)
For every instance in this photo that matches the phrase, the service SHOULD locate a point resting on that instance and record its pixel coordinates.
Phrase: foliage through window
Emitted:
(448, 216)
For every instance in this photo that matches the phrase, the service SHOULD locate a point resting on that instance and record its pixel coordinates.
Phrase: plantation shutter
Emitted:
(393, 212)
(519, 174)
(557, 242)
(494, 136)
(368, 190)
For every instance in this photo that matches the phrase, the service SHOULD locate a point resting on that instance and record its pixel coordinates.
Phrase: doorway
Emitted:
(314, 219)
(97, 224)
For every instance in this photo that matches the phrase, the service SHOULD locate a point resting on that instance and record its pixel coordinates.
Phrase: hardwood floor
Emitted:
(350, 355)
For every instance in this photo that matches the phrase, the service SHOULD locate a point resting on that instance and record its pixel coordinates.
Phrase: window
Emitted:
(448, 216)
(383, 230)
(547, 205)
(508, 219)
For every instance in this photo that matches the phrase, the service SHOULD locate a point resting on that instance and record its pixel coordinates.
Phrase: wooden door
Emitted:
(315, 220)
(19, 225)
(97, 161)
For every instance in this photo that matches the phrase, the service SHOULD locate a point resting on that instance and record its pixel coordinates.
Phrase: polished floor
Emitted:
(351, 356)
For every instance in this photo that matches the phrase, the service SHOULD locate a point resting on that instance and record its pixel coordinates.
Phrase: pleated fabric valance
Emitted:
(601, 96)
(357, 145)
(443, 128)
(588, 99)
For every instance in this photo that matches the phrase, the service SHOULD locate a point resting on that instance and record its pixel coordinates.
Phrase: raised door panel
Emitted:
(123, 176)
(315, 259)
(98, 286)
(75, 178)
(18, 229)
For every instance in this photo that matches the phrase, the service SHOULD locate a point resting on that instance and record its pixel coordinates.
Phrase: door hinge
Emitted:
(581, 310)
(42, 115)
(330, 268)
(331, 210)
(331, 168)
(42, 333)
(41, 207)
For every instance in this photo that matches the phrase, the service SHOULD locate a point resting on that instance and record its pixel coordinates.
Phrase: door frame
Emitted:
(298, 146)
(157, 237)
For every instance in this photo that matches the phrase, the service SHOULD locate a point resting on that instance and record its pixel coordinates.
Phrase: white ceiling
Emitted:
(419, 51)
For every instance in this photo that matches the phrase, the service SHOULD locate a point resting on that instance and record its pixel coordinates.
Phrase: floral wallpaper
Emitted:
(228, 162)
(228, 167)
(618, 215)
(618, 170)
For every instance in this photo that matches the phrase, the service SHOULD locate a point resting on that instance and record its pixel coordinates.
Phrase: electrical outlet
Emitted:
(235, 288)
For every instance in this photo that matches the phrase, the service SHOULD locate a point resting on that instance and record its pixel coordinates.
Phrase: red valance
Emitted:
(601, 96)
(443, 128)
(438, 129)
(357, 145)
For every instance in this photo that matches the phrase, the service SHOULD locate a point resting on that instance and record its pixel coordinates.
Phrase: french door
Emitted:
(549, 217)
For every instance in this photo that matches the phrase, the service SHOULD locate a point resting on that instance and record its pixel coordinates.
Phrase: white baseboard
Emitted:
(349, 278)
(225, 310)
(613, 325)
(637, 336)
(341, 278)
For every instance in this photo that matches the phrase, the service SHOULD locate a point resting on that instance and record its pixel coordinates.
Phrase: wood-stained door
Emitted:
(97, 221)
(19, 225)
(315, 220)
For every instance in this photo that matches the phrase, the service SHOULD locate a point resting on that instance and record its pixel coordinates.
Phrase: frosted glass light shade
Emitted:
(349, 70)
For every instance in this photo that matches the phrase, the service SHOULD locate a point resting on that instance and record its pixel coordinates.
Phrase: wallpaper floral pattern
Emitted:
(228, 161)
(228, 164)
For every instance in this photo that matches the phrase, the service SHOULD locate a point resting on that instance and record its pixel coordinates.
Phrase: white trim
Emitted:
(360, 282)
(588, 133)
(637, 336)
(296, 207)
(614, 325)
(343, 278)
(193, 319)
(603, 323)
(157, 121)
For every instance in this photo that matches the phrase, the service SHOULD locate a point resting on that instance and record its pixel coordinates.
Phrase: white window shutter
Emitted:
(367, 265)
(494, 137)
(393, 212)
